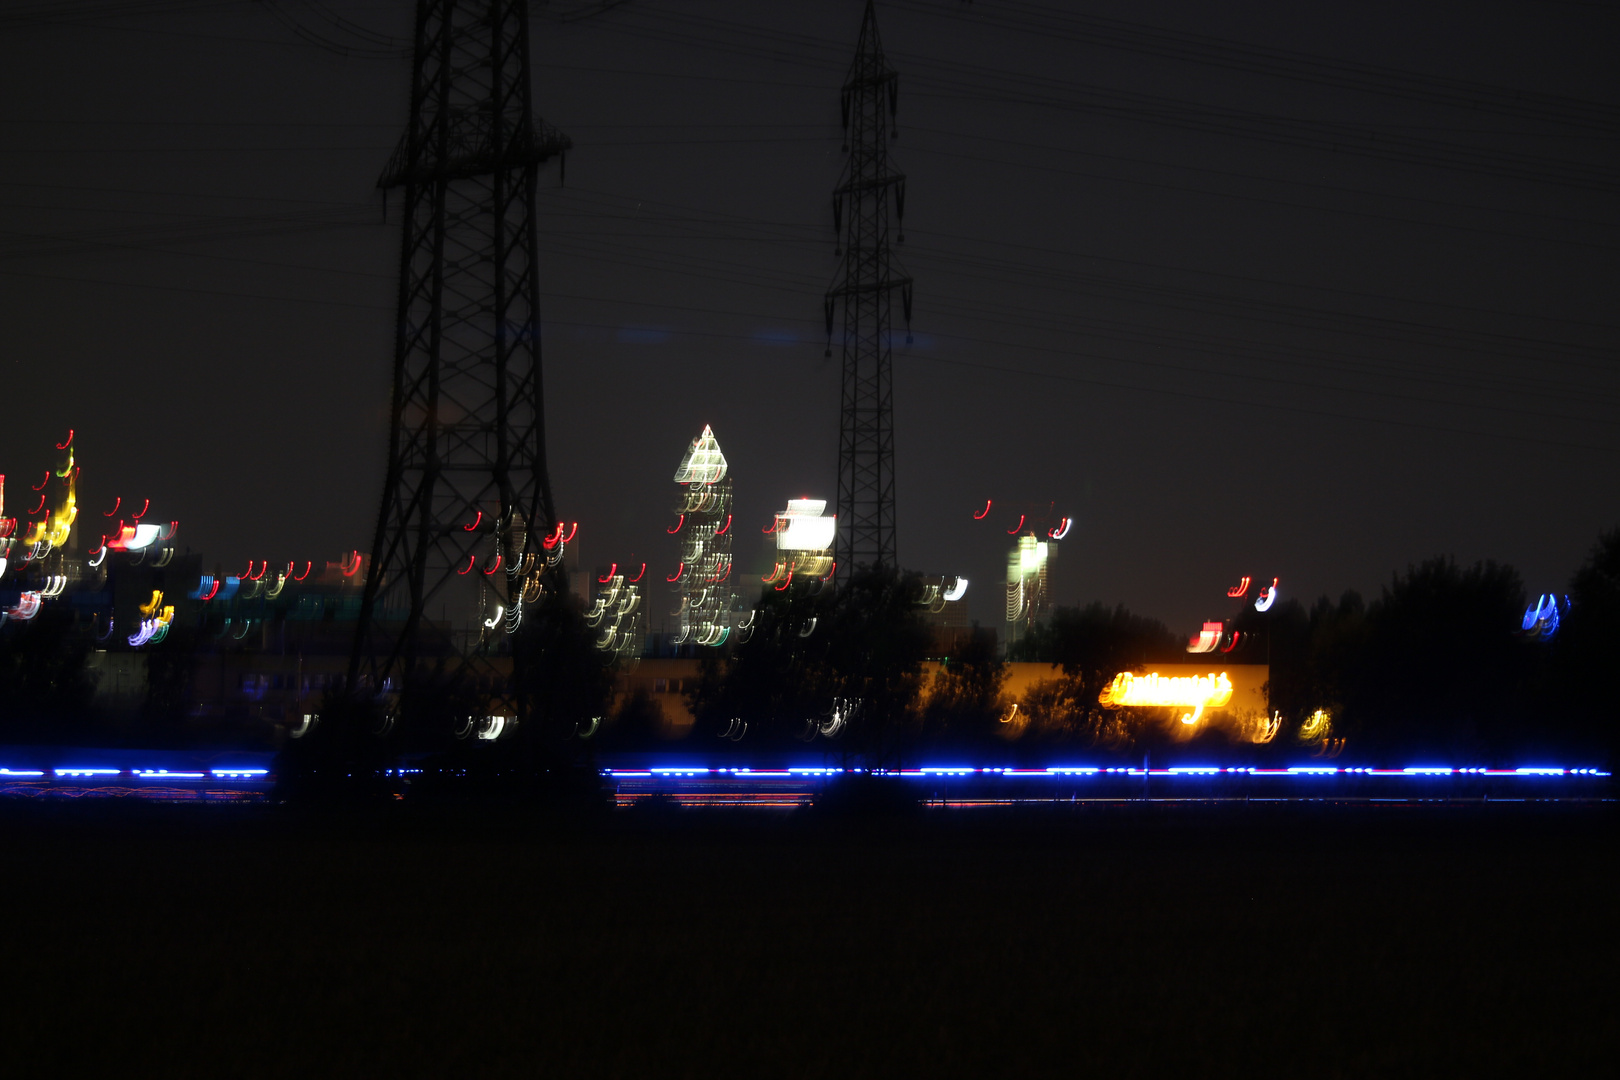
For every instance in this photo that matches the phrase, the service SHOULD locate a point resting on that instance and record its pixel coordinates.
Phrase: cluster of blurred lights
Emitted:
(805, 534)
(1414, 771)
(708, 602)
(617, 613)
(1541, 619)
(77, 772)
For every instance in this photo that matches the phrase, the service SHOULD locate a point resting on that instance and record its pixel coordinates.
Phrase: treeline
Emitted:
(1436, 664)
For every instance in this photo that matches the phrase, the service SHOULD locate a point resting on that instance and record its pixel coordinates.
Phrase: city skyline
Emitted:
(1256, 354)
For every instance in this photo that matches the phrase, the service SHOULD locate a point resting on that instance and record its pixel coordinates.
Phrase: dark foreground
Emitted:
(1305, 941)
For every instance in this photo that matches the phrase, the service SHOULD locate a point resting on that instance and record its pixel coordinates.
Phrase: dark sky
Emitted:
(1311, 291)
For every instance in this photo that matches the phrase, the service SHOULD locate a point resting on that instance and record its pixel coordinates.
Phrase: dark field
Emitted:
(1304, 941)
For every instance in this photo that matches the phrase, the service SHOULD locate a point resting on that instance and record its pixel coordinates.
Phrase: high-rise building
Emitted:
(805, 535)
(616, 613)
(1028, 595)
(703, 577)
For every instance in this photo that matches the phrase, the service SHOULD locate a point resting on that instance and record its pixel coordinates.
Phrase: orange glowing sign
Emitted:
(1197, 692)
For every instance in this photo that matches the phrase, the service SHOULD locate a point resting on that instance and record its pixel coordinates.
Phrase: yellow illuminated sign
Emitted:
(1197, 692)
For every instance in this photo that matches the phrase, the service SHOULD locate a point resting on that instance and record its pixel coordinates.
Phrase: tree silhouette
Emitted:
(1444, 668)
(965, 704)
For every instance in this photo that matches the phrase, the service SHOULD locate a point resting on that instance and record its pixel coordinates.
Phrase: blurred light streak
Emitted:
(1208, 638)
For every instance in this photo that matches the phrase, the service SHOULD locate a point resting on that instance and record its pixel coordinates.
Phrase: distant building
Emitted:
(617, 614)
(804, 540)
(708, 607)
(1029, 595)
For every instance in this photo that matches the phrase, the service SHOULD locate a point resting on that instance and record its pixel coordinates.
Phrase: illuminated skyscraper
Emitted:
(708, 600)
(804, 540)
(616, 613)
(1028, 597)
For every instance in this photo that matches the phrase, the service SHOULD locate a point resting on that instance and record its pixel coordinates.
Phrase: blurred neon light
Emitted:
(569, 539)
(476, 522)
(147, 505)
(1208, 638)
(1233, 643)
(722, 530)
(1267, 597)
(309, 564)
(134, 538)
(1154, 690)
(639, 574)
(1541, 621)
(612, 570)
(679, 569)
(1241, 588)
(41, 485)
(803, 532)
(65, 445)
(27, 607)
(116, 505)
(1062, 530)
(982, 514)
(957, 590)
(677, 527)
(1018, 528)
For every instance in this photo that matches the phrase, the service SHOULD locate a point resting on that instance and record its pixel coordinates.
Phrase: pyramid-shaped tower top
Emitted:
(869, 64)
(703, 463)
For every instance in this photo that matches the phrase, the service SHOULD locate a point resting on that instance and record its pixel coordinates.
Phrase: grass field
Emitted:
(1302, 940)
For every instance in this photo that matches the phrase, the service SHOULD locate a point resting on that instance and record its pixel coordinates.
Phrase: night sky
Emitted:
(1251, 288)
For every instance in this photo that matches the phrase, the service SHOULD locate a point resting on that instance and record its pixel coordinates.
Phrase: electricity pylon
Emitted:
(466, 528)
(869, 191)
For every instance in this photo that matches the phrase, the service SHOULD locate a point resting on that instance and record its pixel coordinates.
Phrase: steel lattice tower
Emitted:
(869, 190)
(464, 531)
